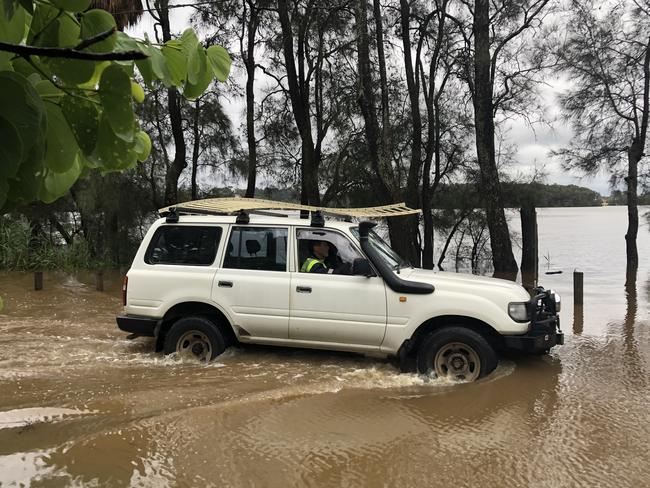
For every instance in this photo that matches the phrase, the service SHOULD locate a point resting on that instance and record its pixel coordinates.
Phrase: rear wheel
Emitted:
(195, 337)
(456, 353)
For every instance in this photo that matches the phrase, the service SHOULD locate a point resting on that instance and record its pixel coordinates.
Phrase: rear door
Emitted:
(332, 307)
(253, 281)
(177, 266)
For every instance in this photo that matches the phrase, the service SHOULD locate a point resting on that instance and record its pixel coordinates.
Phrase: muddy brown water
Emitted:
(80, 405)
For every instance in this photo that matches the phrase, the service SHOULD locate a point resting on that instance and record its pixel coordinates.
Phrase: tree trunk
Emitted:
(249, 62)
(367, 104)
(489, 186)
(448, 241)
(196, 147)
(634, 155)
(299, 96)
(174, 106)
(411, 246)
(529, 254)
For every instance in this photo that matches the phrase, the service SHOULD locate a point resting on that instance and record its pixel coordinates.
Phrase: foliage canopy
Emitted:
(67, 92)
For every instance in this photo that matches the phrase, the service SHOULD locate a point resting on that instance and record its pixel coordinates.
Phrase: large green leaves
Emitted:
(115, 95)
(61, 117)
(12, 151)
(22, 115)
(83, 117)
(112, 153)
(220, 62)
(57, 184)
(142, 145)
(176, 62)
(12, 24)
(201, 78)
(62, 148)
(95, 22)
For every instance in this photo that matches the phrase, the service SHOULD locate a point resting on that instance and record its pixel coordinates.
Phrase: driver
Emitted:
(316, 262)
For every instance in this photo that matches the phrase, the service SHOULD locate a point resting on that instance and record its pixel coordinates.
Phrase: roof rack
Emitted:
(237, 205)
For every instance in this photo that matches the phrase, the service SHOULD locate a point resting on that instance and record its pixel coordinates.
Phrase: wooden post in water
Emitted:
(578, 289)
(38, 280)
(99, 279)
(529, 259)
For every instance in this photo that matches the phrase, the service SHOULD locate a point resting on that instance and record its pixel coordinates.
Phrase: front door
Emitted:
(328, 304)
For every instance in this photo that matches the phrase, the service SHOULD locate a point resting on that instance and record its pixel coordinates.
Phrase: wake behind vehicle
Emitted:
(212, 273)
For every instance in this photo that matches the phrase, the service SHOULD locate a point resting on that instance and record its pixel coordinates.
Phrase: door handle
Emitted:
(303, 289)
(225, 284)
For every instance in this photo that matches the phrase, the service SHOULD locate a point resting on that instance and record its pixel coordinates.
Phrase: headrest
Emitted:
(252, 246)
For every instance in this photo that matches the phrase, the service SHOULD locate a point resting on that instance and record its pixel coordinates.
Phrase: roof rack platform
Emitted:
(234, 205)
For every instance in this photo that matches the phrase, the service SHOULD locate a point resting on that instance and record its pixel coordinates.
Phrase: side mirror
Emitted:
(361, 266)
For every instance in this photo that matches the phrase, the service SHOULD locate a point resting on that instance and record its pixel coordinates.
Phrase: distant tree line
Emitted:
(515, 195)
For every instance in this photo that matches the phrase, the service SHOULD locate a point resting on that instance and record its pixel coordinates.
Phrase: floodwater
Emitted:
(80, 405)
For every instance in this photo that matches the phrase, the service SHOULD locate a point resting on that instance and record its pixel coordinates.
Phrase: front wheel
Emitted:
(194, 337)
(456, 353)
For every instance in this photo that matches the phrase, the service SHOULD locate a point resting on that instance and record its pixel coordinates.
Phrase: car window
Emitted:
(340, 255)
(262, 248)
(187, 245)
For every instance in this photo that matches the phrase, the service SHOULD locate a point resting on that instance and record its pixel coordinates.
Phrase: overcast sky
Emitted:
(533, 146)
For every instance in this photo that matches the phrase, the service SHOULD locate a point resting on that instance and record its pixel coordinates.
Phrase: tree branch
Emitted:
(61, 52)
(95, 39)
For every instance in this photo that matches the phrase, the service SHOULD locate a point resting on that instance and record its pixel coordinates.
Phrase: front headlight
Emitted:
(555, 296)
(518, 311)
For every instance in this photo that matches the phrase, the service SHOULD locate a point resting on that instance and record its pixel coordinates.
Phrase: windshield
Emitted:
(385, 251)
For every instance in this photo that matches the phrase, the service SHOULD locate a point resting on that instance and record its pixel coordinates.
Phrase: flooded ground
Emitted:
(82, 406)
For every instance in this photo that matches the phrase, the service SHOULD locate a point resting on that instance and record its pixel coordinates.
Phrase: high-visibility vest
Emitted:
(309, 264)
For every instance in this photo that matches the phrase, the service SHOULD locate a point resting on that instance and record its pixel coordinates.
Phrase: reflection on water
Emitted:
(80, 405)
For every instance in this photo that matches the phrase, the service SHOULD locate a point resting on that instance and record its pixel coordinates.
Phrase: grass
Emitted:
(47, 254)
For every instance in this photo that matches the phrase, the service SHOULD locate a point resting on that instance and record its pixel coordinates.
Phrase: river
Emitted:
(80, 405)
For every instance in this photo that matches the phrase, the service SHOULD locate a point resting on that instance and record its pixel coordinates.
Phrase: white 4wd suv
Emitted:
(202, 282)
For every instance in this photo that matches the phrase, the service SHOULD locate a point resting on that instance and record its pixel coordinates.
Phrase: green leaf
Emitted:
(189, 42)
(25, 187)
(46, 89)
(11, 150)
(137, 92)
(42, 24)
(124, 42)
(62, 147)
(91, 84)
(8, 10)
(115, 95)
(146, 71)
(95, 22)
(203, 78)
(57, 185)
(72, 71)
(23, 109)
(12, 27)
(220, 62)
(111, 152)
(69, 32)
(72, 5)
(83, 118)
(5, 61)
(159, 67)
(176, 61)
(142, 145)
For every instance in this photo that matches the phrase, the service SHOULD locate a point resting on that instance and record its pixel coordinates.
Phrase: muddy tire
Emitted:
(456, 353)
(194, 337)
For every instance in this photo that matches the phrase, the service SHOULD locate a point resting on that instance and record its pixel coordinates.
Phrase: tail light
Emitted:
(125, 284)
